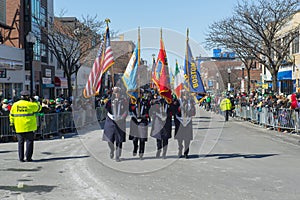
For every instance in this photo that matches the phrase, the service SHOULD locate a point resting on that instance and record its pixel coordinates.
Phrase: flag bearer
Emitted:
(184, 111)
(139, 123)
(161, 115)
(115, 123)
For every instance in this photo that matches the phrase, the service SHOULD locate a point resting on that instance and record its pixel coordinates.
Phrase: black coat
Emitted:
(115, 123)
(161, 115)
(139, 120)
(184, 111)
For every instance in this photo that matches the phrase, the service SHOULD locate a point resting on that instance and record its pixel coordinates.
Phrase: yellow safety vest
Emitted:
(225, 104)
(23, 115)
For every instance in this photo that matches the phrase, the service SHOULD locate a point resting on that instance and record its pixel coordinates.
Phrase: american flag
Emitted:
(100, 66)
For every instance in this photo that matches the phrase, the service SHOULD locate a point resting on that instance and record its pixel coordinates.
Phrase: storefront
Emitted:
(61, 86)
(285, 82)
(12, 72)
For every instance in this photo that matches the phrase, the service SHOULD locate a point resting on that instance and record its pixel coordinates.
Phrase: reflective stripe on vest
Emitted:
(22, 115)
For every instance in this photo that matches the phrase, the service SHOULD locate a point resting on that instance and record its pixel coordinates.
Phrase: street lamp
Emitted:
(228, 71)
(243, 79)
(153, 58)
(31, 39)
(217, 83)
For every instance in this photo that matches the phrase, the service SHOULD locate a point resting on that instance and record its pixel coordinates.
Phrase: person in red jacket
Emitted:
(294, 102)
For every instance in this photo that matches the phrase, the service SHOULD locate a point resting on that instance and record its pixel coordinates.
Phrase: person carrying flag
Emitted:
(115, 123)
(139, 123)
(184, 111)
(161, 115)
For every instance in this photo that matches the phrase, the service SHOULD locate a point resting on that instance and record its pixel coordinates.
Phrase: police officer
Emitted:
(184, 111)
(23, 121)
(225, 107)
(115, 123)
(139, 123)
(161, 115)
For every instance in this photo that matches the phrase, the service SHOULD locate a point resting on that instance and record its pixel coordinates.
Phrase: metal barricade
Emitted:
(286, 121)
(65, 121)
(49, 124)
(4, 127)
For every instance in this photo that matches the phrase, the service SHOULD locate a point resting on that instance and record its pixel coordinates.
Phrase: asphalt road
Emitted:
(233, 160)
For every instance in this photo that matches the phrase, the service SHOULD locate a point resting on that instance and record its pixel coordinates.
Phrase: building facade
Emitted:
(289, 71)
(20, 19)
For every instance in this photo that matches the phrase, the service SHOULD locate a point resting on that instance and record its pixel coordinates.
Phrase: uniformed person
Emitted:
(115, 123)
(225, 107)
(161, 116)
(139, 123)
(23, 121)
(184, 111)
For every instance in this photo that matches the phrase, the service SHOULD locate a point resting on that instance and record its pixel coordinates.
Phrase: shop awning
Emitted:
(285, 75)
(60, 82)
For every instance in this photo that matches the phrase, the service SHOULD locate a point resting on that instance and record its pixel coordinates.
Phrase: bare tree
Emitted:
(71, 42)
(255, 31)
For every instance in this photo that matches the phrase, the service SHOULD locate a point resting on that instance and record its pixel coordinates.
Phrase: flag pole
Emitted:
(138, 71)
(107, 21)
(187, 59)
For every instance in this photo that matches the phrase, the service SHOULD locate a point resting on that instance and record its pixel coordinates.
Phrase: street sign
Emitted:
(2, 73)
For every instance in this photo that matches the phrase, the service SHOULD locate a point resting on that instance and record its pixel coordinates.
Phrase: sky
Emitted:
(173, 16)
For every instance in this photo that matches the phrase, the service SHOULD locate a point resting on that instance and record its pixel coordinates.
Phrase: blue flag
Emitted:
(192, 77)
(130, 75)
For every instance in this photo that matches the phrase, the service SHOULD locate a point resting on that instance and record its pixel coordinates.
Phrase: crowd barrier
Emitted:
(279, 119)
(56, 123)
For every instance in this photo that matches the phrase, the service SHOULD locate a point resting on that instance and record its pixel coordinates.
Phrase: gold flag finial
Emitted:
(107, 20)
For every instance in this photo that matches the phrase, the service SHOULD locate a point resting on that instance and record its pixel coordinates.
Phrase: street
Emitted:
(233, 160)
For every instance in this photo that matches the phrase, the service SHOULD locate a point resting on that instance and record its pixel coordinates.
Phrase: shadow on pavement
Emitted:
(203, 117)
(60, 158)
(7, 151)
(22, 169)
(237, 155)
(39, 189)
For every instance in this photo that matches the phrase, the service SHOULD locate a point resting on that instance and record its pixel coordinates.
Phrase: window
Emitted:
(295, 44)
(37, 50)
(3, 11)
(43, 17)
(35, 10)
(44, 53)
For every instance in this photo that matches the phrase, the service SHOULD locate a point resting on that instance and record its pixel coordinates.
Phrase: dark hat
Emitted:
(25, 93)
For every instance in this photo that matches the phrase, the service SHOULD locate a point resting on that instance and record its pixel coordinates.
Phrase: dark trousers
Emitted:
(136, 145)
(118, 148)
(227, 115)
(162, 144)
(29, 138)
(186, 147)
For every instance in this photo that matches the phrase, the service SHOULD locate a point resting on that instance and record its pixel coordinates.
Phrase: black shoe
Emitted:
(186, 156)
(29, 160)
(111, 155)
(134, 153)
(158, 154)
(22, 160)
(179, 154)
(141, 156)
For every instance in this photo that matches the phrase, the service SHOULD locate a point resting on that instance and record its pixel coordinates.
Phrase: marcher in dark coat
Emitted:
(161, 116)
(139, 124)
(115, 123)
(184, 111)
